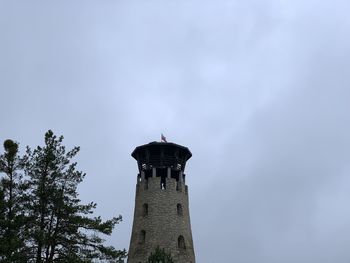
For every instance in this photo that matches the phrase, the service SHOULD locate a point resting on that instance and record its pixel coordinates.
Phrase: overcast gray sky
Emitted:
(258, 90)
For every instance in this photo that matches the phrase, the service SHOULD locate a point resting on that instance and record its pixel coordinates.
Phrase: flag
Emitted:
(162, 138)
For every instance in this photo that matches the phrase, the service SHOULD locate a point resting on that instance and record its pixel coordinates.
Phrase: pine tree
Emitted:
(160, 256)
(2, 226)
(61, 228)
(12, 215)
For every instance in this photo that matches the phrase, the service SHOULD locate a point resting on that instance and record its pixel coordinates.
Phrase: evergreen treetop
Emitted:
(160, 256)
(48, 222)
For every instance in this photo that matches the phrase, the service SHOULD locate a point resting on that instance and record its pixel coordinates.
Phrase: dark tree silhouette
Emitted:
(160, 256)
(12, 214)
(58, 228)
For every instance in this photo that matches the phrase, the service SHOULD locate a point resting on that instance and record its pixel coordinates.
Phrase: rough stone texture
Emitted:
(162, 225)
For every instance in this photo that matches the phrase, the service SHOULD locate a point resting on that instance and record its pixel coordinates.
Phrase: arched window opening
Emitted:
(181, 242)
(142, 238)
(145, 210)
(179, 209)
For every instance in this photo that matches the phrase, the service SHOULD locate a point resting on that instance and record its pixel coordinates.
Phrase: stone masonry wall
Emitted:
(162, 226)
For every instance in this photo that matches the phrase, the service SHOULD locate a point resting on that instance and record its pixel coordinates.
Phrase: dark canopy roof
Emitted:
(160, 154)
(153, 145)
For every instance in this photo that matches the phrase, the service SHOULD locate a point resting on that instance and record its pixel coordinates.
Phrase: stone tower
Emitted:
(161, 216)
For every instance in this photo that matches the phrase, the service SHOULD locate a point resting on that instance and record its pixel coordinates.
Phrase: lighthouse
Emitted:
(161, 215)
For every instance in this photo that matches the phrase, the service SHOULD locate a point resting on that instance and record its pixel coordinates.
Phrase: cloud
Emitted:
(257, 90)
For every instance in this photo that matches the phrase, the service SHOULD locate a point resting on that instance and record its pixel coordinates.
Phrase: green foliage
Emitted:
(160, 256)
(49, 223)
(12, 217)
